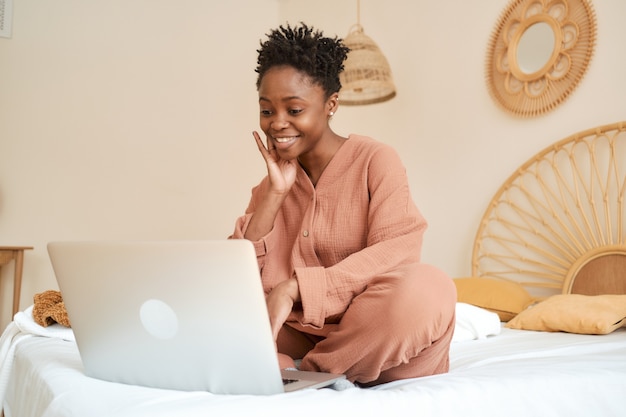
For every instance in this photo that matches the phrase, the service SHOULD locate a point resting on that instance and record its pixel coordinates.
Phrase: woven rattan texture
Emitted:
(561, 208)
(366, 78)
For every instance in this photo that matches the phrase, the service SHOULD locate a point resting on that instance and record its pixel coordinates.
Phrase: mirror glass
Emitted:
(535, 47)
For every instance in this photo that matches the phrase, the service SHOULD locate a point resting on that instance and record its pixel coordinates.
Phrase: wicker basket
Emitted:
(366, 78)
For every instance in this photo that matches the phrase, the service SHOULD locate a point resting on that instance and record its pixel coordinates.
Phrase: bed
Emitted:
(539, 321)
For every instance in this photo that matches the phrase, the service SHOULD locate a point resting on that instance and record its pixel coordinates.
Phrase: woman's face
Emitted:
(293, 111)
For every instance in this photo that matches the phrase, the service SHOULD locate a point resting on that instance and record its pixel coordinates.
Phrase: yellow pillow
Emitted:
(574, 313)
(506, 298)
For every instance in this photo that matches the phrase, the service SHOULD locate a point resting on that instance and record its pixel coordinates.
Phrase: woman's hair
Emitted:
(306, 50)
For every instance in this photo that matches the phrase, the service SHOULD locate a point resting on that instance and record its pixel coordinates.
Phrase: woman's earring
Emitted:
(332, 113)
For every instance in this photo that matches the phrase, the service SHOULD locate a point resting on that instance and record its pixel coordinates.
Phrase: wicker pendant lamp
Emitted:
(366, 78)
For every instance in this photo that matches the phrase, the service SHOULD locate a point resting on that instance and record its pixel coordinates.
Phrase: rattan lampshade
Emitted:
(366, 78)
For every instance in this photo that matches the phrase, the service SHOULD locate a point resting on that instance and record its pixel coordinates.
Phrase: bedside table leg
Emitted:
(17, 281)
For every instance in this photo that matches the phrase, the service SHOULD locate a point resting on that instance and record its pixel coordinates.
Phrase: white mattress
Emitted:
(515, 373)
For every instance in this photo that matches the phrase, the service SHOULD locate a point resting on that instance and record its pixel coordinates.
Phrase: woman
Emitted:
(337, 235)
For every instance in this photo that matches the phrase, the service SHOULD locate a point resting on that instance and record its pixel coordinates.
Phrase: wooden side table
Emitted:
(8, 253)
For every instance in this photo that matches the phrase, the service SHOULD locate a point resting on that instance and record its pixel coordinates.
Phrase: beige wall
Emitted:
(458, 145)
(132, 119)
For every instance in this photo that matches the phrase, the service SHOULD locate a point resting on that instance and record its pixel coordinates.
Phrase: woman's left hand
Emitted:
(280, 302)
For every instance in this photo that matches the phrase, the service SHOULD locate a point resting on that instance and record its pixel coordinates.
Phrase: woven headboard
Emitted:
(558, 224)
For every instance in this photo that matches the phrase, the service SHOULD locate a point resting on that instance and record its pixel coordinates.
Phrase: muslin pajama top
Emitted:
(359, 222)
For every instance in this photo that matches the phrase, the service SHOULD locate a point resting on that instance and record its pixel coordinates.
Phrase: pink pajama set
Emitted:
(369, 308)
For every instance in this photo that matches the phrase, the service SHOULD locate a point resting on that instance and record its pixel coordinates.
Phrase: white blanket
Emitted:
(516, 373)
(22, 327)
(471, 323)
(474, 323)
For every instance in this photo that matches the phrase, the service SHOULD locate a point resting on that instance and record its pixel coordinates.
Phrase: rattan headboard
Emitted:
(558, 224)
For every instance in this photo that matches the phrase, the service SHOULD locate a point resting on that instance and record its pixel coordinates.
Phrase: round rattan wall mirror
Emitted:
(538, 52)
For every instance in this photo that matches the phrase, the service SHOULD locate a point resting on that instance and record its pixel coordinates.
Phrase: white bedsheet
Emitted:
(516, 373)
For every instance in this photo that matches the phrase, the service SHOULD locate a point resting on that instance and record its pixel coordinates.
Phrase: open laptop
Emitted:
(186, 315)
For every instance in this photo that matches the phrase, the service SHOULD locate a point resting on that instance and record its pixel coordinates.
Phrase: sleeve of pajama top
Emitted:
(358, 222)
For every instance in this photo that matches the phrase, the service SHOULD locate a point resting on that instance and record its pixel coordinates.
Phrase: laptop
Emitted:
(183, 315)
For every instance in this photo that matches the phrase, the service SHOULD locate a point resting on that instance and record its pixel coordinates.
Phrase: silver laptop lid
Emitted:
(185, 315)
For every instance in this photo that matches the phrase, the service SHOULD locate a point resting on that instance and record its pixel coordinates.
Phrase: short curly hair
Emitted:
(307, 50)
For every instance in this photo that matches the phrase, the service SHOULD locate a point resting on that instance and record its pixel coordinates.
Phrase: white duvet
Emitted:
(494, 372)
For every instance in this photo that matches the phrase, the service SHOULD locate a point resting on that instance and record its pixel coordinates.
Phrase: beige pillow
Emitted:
(505, 298)
(574, 313)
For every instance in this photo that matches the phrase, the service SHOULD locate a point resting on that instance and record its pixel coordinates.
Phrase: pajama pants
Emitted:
(400, 327)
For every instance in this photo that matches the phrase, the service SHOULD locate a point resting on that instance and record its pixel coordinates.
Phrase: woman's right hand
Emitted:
(282, 175)
(281, 172)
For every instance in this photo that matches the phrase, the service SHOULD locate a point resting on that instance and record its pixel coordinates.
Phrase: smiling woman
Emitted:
(336, 232)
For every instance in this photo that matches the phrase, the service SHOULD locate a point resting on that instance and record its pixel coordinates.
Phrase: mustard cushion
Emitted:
(574, 313)
(505, 298)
